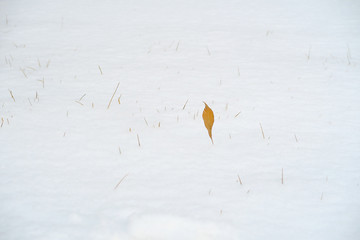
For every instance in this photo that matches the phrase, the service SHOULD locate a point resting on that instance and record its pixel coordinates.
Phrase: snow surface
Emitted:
(72, 169)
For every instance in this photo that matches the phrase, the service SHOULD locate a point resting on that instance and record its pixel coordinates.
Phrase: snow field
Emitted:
(72, 169)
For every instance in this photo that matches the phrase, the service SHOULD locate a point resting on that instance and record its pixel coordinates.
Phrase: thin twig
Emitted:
(237, 114)
(282, 176)
(100, 70)
(12, 96)
(138, 140)
(185, 104)
(79, 103)
(120, 181)
(262, 131)
(82, 97)
(239, 179)
(23, 71)
(113, 95)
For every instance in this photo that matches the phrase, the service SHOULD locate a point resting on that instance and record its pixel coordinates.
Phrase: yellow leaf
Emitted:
(208, 117)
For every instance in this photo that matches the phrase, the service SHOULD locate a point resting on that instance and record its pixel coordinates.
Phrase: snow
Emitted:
(72, 169)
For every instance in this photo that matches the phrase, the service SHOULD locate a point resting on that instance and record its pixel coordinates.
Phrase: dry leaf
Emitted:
(208, 117)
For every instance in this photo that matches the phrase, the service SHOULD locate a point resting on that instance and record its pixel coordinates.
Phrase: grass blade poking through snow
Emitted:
(239, 179)
(100, 70)
(137, 135)
(120, 181)
(262, 131)
(185, 104)
(113, 95)
(237, 114)
(12, 96)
